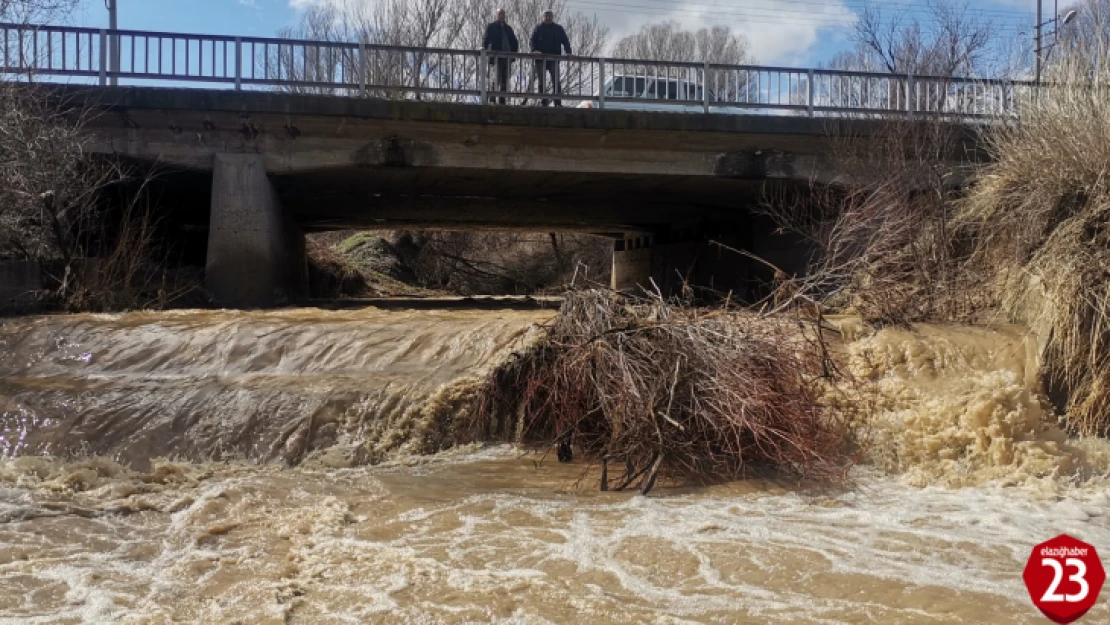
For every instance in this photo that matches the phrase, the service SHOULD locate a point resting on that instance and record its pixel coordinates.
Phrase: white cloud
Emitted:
(779, 31)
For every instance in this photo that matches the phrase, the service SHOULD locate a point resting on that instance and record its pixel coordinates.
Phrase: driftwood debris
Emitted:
(676, 392)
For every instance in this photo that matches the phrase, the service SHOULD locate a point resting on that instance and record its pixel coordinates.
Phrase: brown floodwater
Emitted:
(256, 385)
(967, 475)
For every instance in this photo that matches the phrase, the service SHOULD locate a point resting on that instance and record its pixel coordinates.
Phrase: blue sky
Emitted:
(787, 32)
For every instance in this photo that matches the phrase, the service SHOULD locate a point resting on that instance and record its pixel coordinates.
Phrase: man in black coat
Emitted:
(549, 38)
(500, 38)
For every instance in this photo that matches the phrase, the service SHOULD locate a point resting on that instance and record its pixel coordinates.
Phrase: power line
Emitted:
(764, 16)
(910, 7)
(804, 16)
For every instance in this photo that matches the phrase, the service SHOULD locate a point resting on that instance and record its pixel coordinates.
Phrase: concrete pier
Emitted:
(669, 264)
(256, 252)
(631, 264)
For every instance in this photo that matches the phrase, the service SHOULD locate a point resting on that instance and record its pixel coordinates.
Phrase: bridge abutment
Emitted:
(256, 252)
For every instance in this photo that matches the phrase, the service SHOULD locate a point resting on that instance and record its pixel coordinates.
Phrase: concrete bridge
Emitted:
(265, 166)
(659, 185)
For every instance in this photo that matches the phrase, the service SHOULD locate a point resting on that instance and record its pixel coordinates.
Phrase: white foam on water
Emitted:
(260, 544)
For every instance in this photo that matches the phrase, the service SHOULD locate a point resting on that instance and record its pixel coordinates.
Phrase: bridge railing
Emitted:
(108, 57)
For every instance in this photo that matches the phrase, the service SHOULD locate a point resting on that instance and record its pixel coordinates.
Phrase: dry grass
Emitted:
(331, 275)
(659, 389)
(1040, 219)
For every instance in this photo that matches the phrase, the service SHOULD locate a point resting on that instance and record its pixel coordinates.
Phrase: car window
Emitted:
(676, 90)
(626, 87)
(644, 87)
(690, 91)
(663, 89)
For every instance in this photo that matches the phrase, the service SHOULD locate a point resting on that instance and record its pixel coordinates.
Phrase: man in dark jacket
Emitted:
(500, 38)
(549, 38)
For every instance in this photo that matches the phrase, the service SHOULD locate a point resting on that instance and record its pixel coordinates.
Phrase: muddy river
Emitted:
(295, 467)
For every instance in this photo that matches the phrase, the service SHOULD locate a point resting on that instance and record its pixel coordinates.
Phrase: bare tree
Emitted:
(328, 61)
(1086, 39)
(30, 11)
(419, 25)
(948, 42)
(588, 37)
(53, 205)
(43, 183)
(668, 41)
(504, 262)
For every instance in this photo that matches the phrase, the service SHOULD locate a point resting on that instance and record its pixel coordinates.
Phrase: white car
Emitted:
(671, 95)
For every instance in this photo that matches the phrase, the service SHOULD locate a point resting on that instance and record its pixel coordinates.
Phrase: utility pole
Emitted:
(1037, 38)
(113, 41)
(1040, 47)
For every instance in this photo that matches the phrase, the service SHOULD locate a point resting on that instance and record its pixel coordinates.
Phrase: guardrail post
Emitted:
(601, 84)
(809, 87)
(483, 60)
(909, 95)
(705, 88)
(103, 57)
(238, 63)
(362, 69)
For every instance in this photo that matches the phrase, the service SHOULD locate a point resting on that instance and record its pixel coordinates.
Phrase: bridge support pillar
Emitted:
(256, 253)
(631, 264)
(671, 261)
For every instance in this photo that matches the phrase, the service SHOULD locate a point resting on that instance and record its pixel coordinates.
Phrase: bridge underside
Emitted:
(253, 222)
(437, 198)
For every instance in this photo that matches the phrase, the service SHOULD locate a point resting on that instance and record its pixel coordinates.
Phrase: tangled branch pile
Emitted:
(657, 389)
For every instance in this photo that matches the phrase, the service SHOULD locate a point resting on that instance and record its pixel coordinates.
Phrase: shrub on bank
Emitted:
(1040, 221)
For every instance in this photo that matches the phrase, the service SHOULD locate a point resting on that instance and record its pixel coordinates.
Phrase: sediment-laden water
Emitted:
(260, 386)
(966, 475)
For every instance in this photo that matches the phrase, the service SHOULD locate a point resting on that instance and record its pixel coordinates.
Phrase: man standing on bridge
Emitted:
(500, 38)
(549, 38)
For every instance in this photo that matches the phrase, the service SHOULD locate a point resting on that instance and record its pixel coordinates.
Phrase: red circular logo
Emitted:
(1064, 577)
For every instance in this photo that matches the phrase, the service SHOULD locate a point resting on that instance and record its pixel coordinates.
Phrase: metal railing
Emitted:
(480, 76)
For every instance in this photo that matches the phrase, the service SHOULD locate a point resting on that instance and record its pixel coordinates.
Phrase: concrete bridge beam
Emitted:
(256, 252)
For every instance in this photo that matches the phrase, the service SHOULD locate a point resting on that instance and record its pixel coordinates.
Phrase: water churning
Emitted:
(261, 386)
